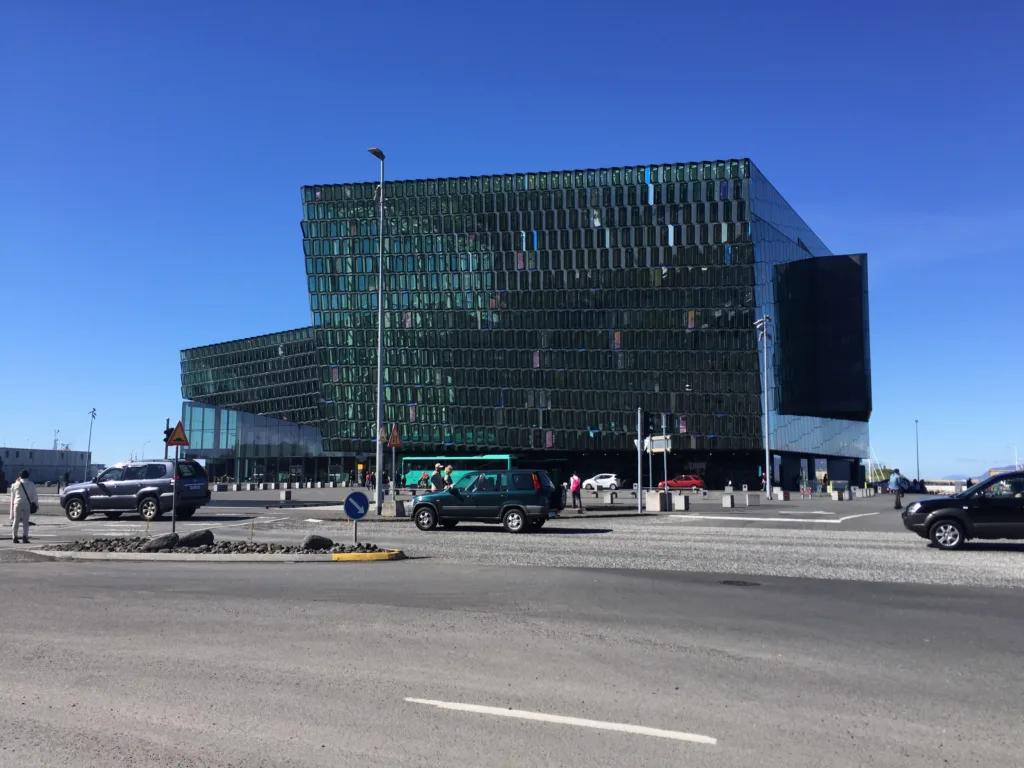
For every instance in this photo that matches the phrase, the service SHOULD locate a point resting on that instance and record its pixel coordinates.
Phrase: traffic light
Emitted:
(167, 434)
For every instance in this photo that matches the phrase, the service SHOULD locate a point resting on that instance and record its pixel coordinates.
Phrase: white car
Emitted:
(602, 483)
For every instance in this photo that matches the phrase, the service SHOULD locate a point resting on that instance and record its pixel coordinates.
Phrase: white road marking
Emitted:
(313, 520)
(562, 720)
(800, 512)
(819, 521)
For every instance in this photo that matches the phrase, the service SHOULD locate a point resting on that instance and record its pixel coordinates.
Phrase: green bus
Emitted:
(416, 470)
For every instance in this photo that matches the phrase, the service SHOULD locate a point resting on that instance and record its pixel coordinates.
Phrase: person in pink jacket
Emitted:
(574, 489)
(23, 498)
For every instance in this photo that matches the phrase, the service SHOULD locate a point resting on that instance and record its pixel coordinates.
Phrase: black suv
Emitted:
(993, 509)
(519, 499)
(145, 487)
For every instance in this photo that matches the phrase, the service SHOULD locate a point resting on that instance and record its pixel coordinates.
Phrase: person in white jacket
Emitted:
(23, 496)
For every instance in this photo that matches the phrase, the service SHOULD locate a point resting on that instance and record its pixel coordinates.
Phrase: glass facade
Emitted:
(246, 446)
(537, 311)
(781, 237)
(533, 313)
(272, 375)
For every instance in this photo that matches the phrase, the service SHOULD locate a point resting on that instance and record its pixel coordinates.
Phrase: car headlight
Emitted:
(913, 507)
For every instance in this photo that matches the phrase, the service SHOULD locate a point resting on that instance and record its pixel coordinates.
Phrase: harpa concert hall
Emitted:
(531, 314)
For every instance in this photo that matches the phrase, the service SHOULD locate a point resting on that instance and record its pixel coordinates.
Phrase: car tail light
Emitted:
(536, 482)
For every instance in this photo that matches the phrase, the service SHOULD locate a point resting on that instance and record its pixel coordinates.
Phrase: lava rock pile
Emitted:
(203, 543)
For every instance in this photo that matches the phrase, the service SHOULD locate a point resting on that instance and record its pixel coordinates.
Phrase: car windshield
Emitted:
(999, 487)
(465, 481)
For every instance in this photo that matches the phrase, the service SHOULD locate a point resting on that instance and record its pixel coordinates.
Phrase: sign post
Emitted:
(639, 461)
(395, 441)
(177, 438)
(382, 439)
(356, 506)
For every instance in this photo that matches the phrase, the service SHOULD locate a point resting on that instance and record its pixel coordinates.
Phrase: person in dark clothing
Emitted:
(437, 479)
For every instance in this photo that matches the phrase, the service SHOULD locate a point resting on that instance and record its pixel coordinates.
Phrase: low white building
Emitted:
(44, 465)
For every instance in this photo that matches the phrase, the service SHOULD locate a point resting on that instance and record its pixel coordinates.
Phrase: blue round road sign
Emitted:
(357, 505)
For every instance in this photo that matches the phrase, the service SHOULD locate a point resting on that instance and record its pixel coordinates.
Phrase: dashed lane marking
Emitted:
(563, 720)
(742, 519)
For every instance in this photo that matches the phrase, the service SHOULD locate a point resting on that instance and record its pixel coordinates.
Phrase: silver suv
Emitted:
(145, 487)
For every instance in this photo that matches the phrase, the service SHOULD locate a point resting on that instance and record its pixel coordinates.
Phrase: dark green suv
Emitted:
(519, 499)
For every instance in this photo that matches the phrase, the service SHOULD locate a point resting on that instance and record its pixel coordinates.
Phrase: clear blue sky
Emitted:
(152, 156)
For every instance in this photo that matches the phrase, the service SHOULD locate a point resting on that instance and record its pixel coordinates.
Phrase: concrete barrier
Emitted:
(846, 495)
(728, 500)
(681, 503)
(285, 495)
(781, 495)
(393, 509)
(753, 499)
(609, 498)
(220, 487)
(655, 501)
(837, 495)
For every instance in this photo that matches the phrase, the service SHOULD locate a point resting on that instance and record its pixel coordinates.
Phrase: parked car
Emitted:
(688, 482)
(519, 499)
(993, 509)
(604, 482)
(145, 487)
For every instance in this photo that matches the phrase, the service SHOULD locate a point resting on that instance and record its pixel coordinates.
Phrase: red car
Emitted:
(691, 482)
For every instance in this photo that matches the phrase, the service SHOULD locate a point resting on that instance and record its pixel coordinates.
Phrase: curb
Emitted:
(188, 557)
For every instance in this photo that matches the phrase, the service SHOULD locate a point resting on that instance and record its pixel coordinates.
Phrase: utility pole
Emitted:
(762, 327)
(917, 448)
(378, 493)
(639, 461)
(88, 451)
(664, 448)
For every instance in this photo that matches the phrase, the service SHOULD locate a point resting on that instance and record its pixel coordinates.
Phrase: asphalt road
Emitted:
(270, 665)
(647, 543)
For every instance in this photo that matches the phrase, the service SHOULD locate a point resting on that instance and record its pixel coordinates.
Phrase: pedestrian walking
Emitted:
(448, 482)
(574, 488)
(896, 486)
(437, 479)
(24, 501)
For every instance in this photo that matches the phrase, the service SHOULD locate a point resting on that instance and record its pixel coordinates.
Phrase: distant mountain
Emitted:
(979, 475)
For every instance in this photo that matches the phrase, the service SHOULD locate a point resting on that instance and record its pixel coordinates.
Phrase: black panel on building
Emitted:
(823, 347)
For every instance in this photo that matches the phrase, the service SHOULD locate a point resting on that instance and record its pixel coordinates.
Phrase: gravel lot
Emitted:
(669, 544)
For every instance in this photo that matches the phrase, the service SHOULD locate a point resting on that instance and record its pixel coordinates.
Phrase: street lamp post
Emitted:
(762, 327)
(144, 444)
(378, 491)
(917, 449)
(88, 450)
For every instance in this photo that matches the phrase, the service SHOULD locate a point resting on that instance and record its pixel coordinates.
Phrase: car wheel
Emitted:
(947, 534)
(75, 510)
(449, 524)
(514, 521)
(149, 509)
(589, 487)
(613, 487)
(426, 518)
(113, 515)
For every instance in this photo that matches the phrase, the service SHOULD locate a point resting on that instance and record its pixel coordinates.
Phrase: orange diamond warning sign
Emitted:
(178, 437)
(395, 441)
